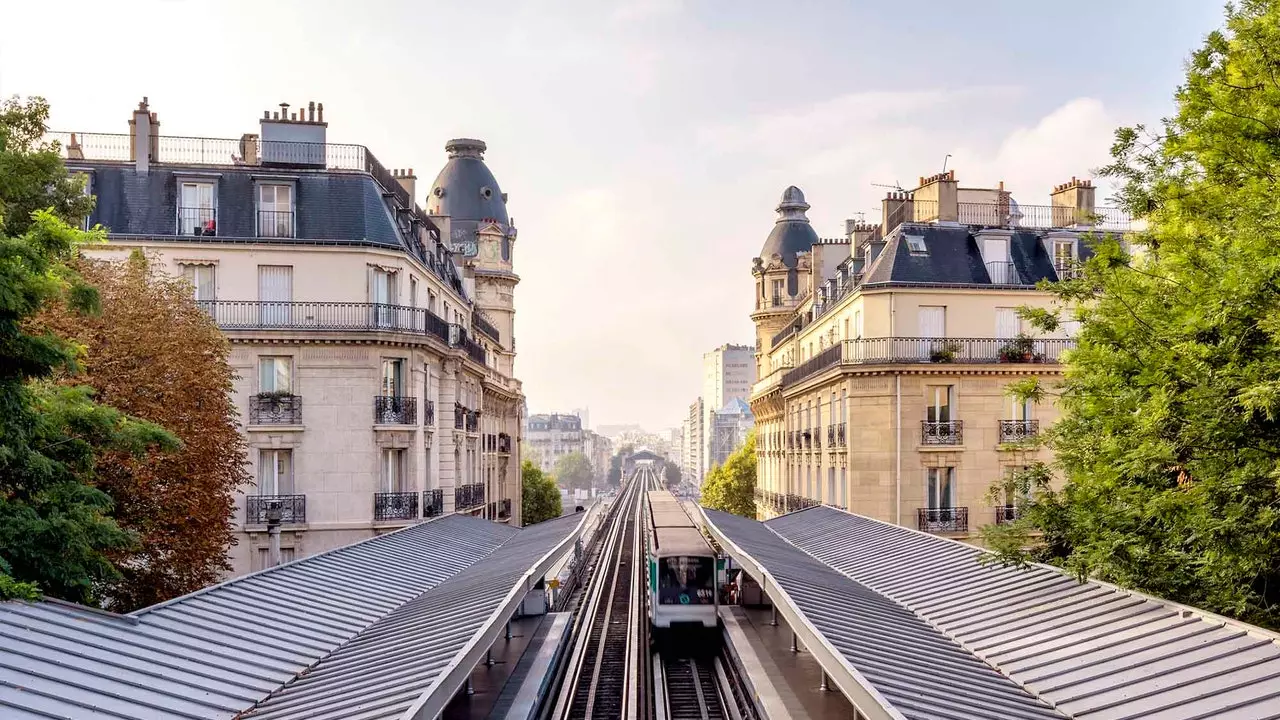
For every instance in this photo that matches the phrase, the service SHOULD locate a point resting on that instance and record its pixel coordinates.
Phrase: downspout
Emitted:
(897, 405)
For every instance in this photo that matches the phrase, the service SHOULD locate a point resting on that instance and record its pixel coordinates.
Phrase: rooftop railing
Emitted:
(481, 324)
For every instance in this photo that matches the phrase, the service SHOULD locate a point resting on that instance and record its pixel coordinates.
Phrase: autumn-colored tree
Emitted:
(153, 353)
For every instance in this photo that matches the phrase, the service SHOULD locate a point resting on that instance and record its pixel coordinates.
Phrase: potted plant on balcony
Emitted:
(274, 395)
(945, 354)
(1020, 349)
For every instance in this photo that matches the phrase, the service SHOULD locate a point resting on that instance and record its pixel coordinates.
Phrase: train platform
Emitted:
(785, 684)
(508, 684)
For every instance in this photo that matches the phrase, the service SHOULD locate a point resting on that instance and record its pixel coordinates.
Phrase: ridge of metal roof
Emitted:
(1092, 650)
(216, 652)
(889, 662)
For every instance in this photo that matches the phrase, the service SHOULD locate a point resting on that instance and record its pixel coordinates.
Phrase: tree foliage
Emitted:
(54, 525)
(574, 471)
(615, 465)
(731, 487)
(541, 498)
(672, 474)
(1169, 442)
(153, 353)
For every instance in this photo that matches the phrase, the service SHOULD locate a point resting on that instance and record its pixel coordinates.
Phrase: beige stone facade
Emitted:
(375, 372)
(885, 356)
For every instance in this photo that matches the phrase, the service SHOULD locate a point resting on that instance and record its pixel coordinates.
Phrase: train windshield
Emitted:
(686, 581)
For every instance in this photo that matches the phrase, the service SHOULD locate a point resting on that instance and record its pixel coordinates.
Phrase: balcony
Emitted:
(943, 520)
(941, 433)
(459, 416)
(275, 224)
(793, 502)
(432, 503)
(1016, 431)
(395, 506)
(1067, 269)
(817, 437)
(504, 444)
(1007, 514)
(325, 316)
(806, 438)
(841, 439)
(467, 497)
(1003, 273)
(473, 421)
(429, 413)
(292, 508)
(480, 324)
(395, 410)
(197, 221)
(275, 409)
(474, 350)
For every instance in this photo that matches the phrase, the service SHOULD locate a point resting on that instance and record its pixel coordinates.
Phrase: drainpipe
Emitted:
(273, 533)
(897, 404)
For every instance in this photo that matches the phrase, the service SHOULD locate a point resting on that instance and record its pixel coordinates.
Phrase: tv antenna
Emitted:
(944, 162)
(894, 186)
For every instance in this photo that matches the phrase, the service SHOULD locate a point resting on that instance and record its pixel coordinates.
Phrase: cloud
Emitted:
(637, 10)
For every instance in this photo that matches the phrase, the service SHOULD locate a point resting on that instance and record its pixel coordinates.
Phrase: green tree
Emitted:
(732, 487)
(541, 498)
(574, 472)
(1169, 442)
(615, 465)
(672, 474)
(54, 525)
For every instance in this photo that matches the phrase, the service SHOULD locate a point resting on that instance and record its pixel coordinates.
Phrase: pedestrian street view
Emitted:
(872, 365)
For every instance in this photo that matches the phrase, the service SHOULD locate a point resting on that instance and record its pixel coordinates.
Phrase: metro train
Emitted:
(681, 571)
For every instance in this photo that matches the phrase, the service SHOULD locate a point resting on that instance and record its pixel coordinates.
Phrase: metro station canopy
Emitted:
(912, 626)
(384, 628)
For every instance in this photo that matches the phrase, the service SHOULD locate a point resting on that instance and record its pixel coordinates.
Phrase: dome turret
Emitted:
(792, 232)
(467, 192)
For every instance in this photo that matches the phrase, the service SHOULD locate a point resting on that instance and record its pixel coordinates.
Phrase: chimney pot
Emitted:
(311, 111)
(275, 115)
(266, 114)
(320, 112)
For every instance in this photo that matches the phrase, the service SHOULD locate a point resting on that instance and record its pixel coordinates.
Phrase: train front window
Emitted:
(686, 581)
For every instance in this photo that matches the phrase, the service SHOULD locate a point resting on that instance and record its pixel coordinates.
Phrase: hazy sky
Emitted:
(644, 143)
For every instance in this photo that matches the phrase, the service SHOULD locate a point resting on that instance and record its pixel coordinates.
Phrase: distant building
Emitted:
(616, 433)
(691, 463)
(728, 372)
(729, 427)
(550, 437)
(599, 450)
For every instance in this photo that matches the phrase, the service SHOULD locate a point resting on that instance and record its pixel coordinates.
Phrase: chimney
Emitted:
(1072, 203)
(320, 112)
(144, 132)
(311, 111)
(288, 137)
(408, 181)
(74, 151)
(859, 232)
(936, 200)
(249, 149)
(897, 208)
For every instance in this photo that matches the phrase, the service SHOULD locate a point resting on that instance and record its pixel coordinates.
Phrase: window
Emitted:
(938, 403)
(382, 293)
(843, 489)
(1018, 409)
(202, 279)
(275, 211)
(392, 377)
(393, 480)
(275, 374)
(932, 321)
(831, 486)
(275, 472)
(413, 291)
(941, 490)
(196, 211)
(275, 293)
(777, 292)
(857, 324)
(1064, 257)
(1008, 324)
(915, 244)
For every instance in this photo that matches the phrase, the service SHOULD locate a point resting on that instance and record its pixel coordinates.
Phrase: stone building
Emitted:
(729, 428)
(884, 356)
(372, 339)
(694, 450)
(549, 437)
(728, 372)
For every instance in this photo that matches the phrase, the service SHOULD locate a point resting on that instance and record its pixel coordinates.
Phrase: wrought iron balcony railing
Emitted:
(395, 410)
(275, 409)
(504, 444)
(793, 502)
(197, 221)
(1007, 514)
(943, 520)
(459, 416)
(831, 436)
(942, 433)
(275, 224)
(466, 497)
(395, 506)
(1003, 273)
(841, 438)
(429, 413)
(325, 316)
(481, 324)
(473, 421)
(1067, 269)
(432, 503)
(292, 508)
(1013, 431)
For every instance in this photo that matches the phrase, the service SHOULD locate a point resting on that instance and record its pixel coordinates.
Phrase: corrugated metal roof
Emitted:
(216, 652)
(923, 674)
(1094, 651)
(392, 665)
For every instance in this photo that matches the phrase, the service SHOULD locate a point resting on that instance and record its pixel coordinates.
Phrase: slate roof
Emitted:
(1089, 650)
(458, 189)
(217, 652)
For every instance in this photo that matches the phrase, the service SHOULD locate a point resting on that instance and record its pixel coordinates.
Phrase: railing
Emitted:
(770, 381)
(826, 359)
(429, 413)
(504, 444)
(259, 314)
(275, 409)
(395, 506)
(840, 435)
(474, 350)
(794, 502)
(479, 322)
(459, 416)
(1042, 217)
(941, 433)
(817, 437)
(943, 520)
(466, 497)
(806, 439)
(1003, 273)
(293, 509)
(1007, 514)
(1068, 270)
(1012, 431)
(432, 503)
(275, 223)
(197, 221)
(473, 421)
(785, 333)
(395, 410)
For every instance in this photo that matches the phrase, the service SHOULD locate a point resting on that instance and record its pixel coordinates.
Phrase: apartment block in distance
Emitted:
(372, 338)
(549, 437)
(884, 356)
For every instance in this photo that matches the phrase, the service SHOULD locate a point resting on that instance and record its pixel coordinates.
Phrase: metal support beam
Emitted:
(488, 657)
(470, 690)
(824, 687)
(508, 636)
(773, 619)
(793, 643)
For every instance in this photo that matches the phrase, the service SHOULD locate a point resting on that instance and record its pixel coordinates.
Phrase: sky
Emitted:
(644, 144)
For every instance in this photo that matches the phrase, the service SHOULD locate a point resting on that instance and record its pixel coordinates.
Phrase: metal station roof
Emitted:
(894, 662)
(1093, 651)
(215, 653)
